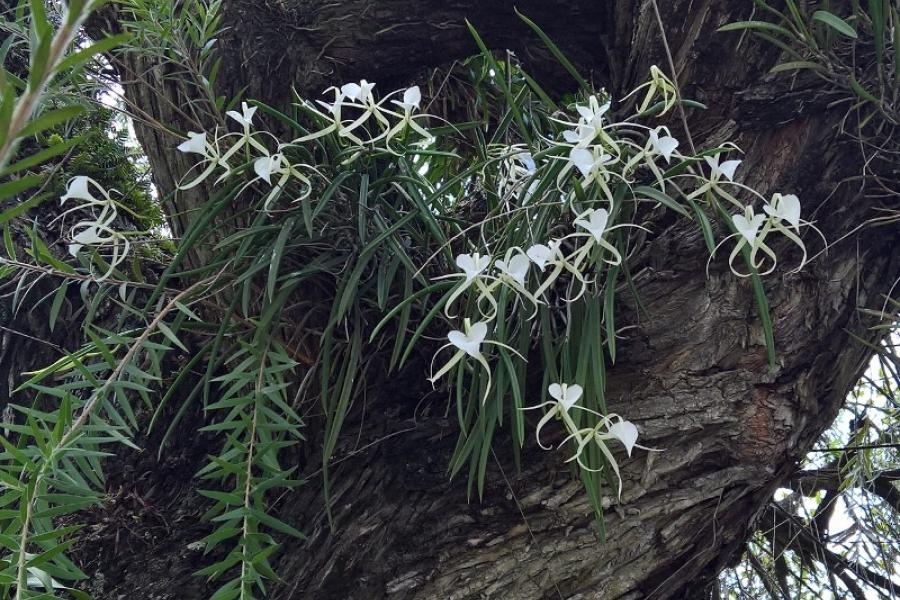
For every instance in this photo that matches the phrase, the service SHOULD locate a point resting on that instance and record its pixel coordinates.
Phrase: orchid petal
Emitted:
(625, 432)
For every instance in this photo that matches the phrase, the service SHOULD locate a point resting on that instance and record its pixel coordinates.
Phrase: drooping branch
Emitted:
(786, 532)
(883, 484)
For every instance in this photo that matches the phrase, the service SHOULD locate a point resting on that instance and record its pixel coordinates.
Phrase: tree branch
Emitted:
(788, 533)
(829, 480)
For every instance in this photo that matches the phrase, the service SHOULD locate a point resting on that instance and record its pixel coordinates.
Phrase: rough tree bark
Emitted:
(692, 373)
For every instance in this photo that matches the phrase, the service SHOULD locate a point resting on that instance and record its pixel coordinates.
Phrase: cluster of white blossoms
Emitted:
(601, 158)
(591, 170)
(780, 214)
(373, 124)
(96, 232)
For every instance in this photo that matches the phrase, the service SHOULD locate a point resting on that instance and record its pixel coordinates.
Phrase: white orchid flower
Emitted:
(195, 144)
(592, 114)
(593, 165)
(589, 162)
(541, 254)
(565, 396)
(265, 166)
(551, 254)
(582, 136)
(473, 265)
(527, 161)
(412, 97)
(515, 268)
(626, 432)
(720, 174)
(726, 169)
(363, 98)
(360, 96)
(666, 145)
(77, 189)
(748, 225)
(245, 117)
(468, 342)
(595, 222)
(98, 232)
(750, 230)
(784, 207)
(360, 92)
(89, 236)
(611, 427)
(513, 272)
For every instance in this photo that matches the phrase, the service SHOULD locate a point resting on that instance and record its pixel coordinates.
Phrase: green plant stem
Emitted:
(28, 103)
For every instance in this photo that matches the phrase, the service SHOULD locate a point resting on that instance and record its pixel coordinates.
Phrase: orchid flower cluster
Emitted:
(372, 124)
(96, 232)
(592, 162)
(585, 175)
(780, 214)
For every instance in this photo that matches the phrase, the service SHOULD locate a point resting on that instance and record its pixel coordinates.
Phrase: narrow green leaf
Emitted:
(835, 22)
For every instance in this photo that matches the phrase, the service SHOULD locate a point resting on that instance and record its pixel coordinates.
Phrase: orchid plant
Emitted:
(566, 210)
(508, 259)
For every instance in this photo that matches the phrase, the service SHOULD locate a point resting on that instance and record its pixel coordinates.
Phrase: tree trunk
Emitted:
(692, 373)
